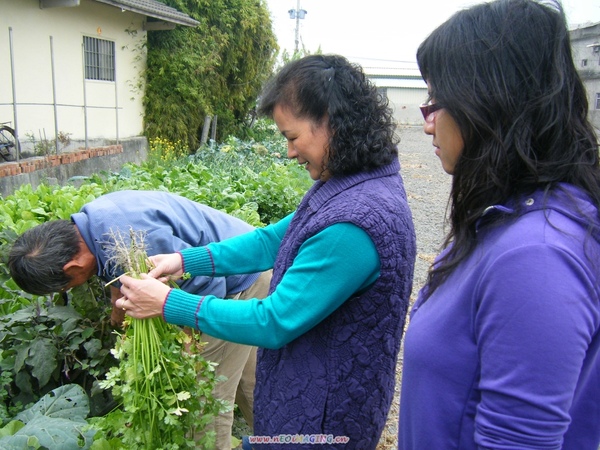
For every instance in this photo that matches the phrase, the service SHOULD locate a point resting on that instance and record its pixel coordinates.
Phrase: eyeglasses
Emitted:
(429, 108)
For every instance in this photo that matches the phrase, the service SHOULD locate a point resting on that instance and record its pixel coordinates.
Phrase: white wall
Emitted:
(581, 37)
(32, 29)
(405, 103)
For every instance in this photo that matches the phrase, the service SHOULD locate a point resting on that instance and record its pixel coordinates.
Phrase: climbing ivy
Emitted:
(217, 68)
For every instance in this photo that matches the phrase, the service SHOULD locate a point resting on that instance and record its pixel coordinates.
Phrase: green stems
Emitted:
(163, 401)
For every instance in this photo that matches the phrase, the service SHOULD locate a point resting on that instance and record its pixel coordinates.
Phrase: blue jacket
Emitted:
(171, 223)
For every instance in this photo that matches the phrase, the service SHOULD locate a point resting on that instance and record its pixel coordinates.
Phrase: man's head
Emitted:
(41, 259)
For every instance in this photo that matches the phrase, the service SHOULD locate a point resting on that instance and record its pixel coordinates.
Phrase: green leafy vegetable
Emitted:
(163, 402)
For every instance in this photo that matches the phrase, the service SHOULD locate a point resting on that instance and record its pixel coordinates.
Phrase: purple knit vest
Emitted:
(338, 378)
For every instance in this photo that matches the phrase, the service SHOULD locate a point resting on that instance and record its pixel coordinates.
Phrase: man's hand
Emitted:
(117, 315)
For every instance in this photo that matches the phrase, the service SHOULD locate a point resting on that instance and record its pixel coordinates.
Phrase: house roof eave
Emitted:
(154, 9)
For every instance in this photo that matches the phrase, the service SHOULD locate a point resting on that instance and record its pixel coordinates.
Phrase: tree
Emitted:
(217, 68)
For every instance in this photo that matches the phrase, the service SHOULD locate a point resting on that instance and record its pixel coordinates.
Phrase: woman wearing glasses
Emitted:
(503, 345)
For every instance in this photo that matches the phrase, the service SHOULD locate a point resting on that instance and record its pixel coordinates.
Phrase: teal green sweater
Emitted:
(310, 290)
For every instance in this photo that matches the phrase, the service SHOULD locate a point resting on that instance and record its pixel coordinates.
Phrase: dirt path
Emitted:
(427, 187)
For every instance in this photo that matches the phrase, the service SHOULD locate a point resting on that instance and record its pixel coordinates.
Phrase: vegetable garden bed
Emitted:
(56, 351)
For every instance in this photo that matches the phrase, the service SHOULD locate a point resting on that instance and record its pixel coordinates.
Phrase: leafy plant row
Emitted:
(52, 341)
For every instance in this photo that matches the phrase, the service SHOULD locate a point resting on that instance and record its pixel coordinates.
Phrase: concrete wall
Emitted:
(405, 103)
(113, 110)
(60, 169)
(404, 89)
(583, 40)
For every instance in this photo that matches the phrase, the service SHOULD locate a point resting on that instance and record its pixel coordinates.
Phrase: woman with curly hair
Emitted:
(330, 329)
(503, 346)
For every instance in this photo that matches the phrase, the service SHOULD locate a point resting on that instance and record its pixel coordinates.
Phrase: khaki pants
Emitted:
(237, 363)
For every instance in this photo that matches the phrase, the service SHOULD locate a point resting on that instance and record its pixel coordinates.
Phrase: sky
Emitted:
(380, 32)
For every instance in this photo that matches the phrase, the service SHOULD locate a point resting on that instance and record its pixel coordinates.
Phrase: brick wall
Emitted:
(43, 162)
(69, 166)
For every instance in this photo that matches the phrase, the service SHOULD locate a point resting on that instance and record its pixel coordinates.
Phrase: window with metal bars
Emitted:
(99, 57)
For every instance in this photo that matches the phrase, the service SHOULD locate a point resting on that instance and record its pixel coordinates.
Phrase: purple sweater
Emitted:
(338, 378)
(506, 353)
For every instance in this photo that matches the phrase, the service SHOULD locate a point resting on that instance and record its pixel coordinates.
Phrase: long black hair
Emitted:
(329, 87)
(505, 73)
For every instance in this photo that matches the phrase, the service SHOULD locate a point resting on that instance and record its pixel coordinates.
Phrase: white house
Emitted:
(71, 68)
(404, 87)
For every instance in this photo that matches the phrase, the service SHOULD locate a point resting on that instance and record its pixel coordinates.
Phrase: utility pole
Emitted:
(297, 14)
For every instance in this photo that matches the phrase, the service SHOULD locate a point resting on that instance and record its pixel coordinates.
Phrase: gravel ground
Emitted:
(428, 188)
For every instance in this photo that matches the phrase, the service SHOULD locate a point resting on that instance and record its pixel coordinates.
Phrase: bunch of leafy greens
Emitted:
(163, 401)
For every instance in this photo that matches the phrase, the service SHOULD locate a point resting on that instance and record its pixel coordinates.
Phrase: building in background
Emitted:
(585, 40)
(402, 84)
(73, 69)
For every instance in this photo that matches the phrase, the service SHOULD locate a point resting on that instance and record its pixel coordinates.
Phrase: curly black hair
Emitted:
(329, 87)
